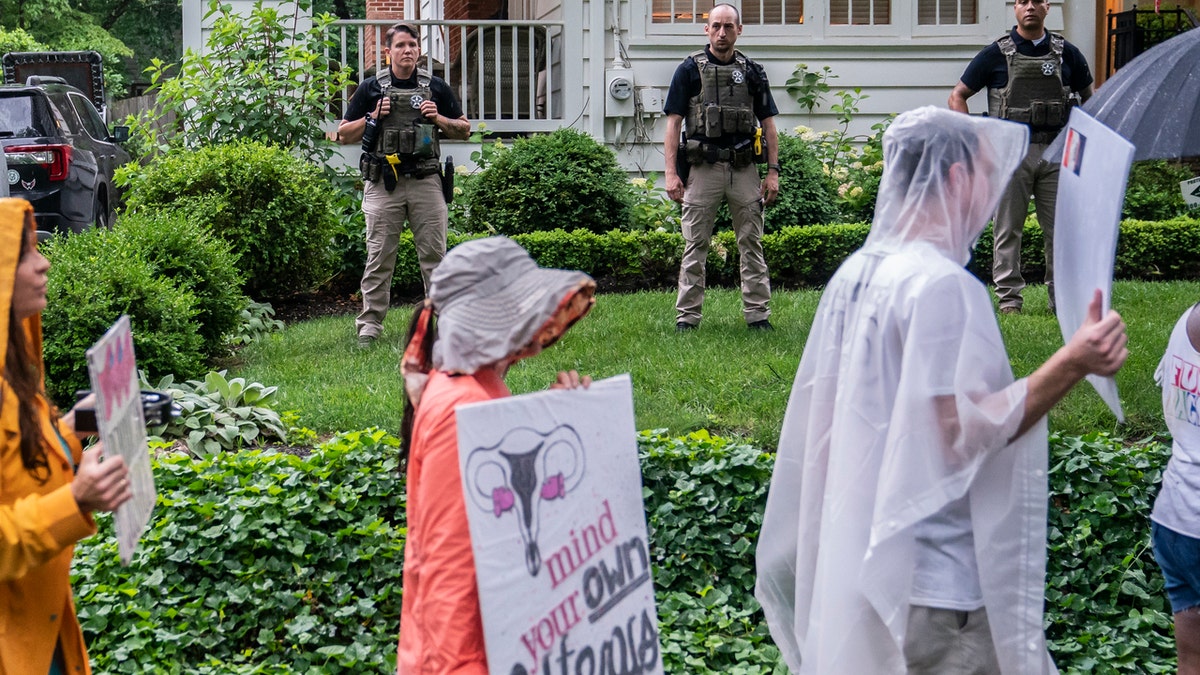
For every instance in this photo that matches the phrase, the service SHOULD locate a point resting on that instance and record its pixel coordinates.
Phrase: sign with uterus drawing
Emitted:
(554, 498)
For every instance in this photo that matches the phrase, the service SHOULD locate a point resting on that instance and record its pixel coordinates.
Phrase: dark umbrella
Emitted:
(1154, 101)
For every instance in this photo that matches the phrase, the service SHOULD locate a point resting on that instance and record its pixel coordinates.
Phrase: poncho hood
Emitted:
(16, 223)
(944, 173)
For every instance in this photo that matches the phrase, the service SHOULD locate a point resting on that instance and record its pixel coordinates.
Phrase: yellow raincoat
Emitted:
(39, 522)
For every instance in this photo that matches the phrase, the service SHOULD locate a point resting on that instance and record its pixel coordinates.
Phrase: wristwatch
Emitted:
(774, 167)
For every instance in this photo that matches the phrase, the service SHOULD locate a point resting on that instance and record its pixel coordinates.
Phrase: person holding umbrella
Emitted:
(1031, 75)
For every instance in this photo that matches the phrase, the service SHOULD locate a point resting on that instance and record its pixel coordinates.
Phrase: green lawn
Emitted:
(721, 377)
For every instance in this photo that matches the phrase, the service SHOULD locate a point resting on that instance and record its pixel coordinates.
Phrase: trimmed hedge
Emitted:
(801, 257)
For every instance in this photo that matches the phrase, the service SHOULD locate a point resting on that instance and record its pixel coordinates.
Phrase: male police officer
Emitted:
(405, 108)
(724, 96)
(1031, 75)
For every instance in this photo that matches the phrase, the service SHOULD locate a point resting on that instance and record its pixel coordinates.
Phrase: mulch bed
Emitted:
(339, 297)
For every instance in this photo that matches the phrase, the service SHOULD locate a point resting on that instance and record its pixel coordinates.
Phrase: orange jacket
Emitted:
(441, 631)
(39, 522)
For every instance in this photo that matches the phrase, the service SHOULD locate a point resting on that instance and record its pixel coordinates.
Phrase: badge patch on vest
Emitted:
(415, 101)
(1047, 68)
(737, 76)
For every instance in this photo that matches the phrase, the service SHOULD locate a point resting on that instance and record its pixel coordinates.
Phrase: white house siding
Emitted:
(196, 28)
(898, 67)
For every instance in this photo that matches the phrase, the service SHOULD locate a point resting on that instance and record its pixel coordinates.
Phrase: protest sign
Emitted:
(554, 499)
(122, 427)
(1091, 189)
(1191, 191)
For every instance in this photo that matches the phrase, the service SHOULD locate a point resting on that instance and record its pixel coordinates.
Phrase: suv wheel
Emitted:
(103, 218)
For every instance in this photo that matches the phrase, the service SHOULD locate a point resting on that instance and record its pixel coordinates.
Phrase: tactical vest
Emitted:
(404, 131)
(1035, 94)
(724, 106)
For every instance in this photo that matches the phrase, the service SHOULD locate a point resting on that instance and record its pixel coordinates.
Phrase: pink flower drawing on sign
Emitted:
(117, 374)
(502, 500)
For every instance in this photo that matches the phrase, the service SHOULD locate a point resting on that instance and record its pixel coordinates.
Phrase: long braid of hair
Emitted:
(426, 353)
(22, 376)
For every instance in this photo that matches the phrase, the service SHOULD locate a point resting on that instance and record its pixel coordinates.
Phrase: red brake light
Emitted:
(56, 159)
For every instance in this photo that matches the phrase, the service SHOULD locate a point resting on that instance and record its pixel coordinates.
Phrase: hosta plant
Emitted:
(219, 414)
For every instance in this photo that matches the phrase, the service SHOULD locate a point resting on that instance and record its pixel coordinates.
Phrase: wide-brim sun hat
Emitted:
(494, 303)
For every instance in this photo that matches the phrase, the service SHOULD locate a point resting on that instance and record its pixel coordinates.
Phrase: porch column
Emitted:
(1079, 26)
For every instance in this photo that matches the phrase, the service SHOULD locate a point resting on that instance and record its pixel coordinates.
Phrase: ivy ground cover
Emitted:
(264, 562)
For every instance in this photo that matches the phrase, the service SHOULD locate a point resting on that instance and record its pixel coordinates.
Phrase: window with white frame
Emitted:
(754, 12)
(947, 12)
(860, 12)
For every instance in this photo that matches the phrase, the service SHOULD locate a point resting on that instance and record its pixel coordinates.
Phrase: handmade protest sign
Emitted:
(1091, 189)
(120, 421)
(554, 499)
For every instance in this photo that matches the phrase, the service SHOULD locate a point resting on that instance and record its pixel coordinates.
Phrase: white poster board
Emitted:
(122, 426)
(558, 528)
(1191, 191)
(1091, 188)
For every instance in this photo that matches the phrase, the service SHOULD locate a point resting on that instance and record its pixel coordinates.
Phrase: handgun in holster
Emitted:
(682, 166)
(448, 180)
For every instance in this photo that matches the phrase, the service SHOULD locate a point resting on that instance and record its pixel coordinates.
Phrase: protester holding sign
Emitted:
(48, 486)
(905, 528)
(489, 306)
(1175, 522)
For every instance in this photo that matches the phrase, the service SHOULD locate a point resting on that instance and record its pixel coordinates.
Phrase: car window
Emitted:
(18, 118)
(91, 119)
(69, 116)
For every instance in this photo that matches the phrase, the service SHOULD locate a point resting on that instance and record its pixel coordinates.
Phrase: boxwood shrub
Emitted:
(562, 180)
(95, 277)
(275, 210)
(186, 251)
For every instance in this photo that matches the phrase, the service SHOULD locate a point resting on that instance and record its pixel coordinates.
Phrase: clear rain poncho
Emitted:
(904, 402)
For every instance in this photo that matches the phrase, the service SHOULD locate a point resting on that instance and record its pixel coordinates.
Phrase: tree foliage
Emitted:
(58, 26)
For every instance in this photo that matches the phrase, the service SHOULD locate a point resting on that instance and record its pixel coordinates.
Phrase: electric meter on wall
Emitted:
(621, 88)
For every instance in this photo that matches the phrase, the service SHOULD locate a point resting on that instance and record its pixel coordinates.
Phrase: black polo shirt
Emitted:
(369, 93)
(989, 68)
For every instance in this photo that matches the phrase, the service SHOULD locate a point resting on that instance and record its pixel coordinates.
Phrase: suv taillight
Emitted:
(56, 159)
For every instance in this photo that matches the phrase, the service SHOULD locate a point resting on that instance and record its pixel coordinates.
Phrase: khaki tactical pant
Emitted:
(949, 642)
(418, 201)
(1039, 178)
(707, 186)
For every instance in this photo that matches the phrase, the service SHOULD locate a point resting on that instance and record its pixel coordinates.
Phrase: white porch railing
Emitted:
(508, 74)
